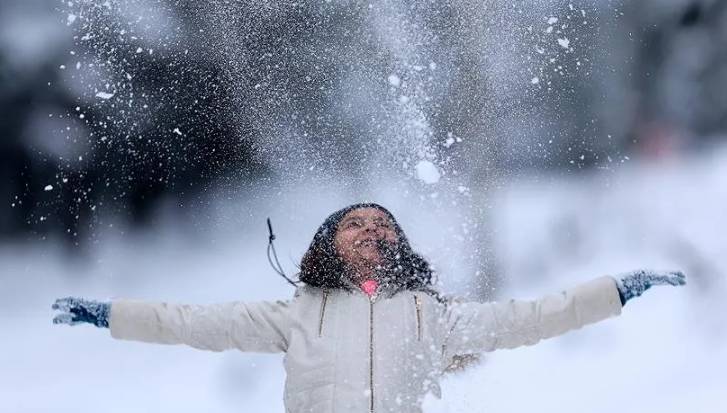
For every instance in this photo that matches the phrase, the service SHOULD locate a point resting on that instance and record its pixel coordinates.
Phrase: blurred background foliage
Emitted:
(111, 108)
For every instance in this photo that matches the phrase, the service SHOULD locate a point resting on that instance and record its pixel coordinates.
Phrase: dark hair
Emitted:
(322, 266)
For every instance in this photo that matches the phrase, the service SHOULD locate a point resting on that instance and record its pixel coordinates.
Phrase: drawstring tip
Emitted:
(276, 265)
(270, 231)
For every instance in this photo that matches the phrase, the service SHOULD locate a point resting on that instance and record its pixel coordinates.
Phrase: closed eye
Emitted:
(353, 224)
(383, 224)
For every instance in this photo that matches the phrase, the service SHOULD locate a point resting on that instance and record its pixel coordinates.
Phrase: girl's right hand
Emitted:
(77, 310)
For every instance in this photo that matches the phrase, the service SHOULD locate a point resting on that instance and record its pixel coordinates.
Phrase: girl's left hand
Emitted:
(634, 283)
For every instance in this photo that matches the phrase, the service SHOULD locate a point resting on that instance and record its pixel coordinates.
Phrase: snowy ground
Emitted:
(666, 353)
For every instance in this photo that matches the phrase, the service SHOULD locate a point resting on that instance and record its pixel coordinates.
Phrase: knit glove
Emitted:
(633, 284)
(77, 310)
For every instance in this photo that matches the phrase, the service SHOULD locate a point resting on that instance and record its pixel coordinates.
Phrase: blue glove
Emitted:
(633, 284)
(77, 310)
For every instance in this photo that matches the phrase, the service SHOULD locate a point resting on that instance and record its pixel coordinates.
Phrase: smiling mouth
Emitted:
(367, 242)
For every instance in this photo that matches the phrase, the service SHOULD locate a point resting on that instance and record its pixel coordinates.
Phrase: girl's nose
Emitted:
(371, 228)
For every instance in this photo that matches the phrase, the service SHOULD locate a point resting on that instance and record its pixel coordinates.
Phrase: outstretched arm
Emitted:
(476, 327)
(259, 327)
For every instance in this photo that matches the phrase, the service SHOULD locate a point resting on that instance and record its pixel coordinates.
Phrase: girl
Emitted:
(366, 331)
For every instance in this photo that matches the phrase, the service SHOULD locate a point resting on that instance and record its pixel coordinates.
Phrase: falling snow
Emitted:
(104, 95)
(427, 172)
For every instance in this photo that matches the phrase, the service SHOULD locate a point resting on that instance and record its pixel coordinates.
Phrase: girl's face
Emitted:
(358, 235)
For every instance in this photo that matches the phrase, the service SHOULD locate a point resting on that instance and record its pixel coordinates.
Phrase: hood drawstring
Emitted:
(276, 265)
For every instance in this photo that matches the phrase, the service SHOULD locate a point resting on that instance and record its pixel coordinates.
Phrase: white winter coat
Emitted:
(347, 353)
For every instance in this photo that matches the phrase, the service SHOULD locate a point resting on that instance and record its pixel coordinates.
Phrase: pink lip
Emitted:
(366, 243)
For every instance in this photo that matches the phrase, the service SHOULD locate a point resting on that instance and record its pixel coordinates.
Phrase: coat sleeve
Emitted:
(477, 327)
(257, 327)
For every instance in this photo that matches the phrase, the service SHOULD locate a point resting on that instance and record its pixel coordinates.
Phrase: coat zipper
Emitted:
(418, 306)
(324, 300)
(371, 354)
